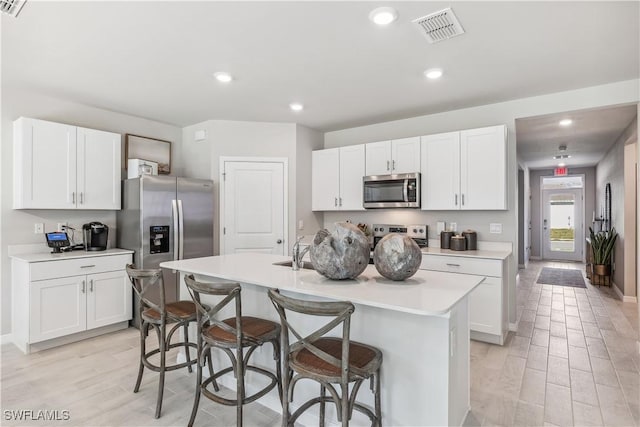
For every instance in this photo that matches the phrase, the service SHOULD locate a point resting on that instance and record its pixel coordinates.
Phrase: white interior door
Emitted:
(254, 207)
(563, 224)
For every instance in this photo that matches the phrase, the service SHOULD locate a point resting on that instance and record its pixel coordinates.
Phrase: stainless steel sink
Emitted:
(306, 264)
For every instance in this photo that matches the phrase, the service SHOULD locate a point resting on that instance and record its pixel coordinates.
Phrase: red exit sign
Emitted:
(564, 171)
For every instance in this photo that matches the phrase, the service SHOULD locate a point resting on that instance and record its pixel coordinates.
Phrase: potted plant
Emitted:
(602, 244)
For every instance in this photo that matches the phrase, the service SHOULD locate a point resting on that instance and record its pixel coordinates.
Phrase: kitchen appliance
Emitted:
(458, 243)
(165, 218)
(392, 191)
(95, 236)
(57, 240)
(471, 238)
(419, 233)
(445, 239)
(138, 167)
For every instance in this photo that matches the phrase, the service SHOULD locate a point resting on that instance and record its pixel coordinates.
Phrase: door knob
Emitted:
(279, 241)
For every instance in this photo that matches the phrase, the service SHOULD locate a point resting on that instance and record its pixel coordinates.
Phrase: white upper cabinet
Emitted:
(393, 157)
(483, 168)
(441, 171)
(337, 178)
(465, 170)
(58, 166)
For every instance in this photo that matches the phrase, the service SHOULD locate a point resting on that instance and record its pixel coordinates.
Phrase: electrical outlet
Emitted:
(453, 226)
(301, 225)
(38, 228)
(495, 228)
(440, 227)
(61, 226)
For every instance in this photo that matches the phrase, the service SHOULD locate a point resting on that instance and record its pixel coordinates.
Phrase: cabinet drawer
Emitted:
(78, 266)
(479, 266)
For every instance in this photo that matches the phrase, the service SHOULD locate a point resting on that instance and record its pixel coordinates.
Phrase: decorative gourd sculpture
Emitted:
(397, 257)
(343, 254)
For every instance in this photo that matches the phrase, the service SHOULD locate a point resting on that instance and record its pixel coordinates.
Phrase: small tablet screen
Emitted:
(52, 237)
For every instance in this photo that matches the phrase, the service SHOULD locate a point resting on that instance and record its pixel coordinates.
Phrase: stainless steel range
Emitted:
(419, 233)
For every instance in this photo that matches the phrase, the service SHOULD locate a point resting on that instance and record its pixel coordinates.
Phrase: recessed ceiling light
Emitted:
(296, 106)
(565, 122)
(433, 73)
(223, 77)
(383, 15)
(561, 165)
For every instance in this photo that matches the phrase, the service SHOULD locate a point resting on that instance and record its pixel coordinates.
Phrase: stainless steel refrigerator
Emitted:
(165, 218)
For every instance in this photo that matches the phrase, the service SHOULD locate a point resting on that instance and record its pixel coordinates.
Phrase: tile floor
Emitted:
(572, 362)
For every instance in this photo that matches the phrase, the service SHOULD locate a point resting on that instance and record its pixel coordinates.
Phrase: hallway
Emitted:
(573, 360)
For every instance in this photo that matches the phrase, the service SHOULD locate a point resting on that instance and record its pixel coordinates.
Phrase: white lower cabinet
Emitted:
(488, 315)
(55, 299)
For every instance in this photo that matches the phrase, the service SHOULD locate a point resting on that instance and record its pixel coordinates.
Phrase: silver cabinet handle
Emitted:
(335, 202)
(84, 286)
(81, 197)
(73, 197)
(87, 266)
(463, 199)
(340, 202)
(456, 202)
(393, 167)
(91, 285)
(453, 265)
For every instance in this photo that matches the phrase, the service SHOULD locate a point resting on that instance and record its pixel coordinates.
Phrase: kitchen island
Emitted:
(421, 325)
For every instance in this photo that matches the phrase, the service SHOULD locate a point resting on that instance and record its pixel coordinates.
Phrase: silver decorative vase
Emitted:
(343, 254)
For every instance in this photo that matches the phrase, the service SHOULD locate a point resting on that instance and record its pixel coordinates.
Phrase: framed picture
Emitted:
(150, 149)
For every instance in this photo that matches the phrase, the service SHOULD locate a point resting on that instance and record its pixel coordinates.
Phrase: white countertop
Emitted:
(47, 256)
(501, 255)
(426, 293)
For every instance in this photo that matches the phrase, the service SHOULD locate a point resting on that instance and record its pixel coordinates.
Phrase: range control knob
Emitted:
(415, 230)
(375, 229)
(421, 230)
(381, 228)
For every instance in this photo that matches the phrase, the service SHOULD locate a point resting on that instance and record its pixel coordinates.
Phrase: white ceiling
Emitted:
(587, 139)
(155, 59)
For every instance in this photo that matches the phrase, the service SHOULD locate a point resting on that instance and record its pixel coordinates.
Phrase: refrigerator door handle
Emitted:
(181, 231)
(176, 234)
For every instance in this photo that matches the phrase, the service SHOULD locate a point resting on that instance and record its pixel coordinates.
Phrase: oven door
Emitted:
(392, 191)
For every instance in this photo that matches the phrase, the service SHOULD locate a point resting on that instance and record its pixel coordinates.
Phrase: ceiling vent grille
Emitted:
(11, 7)
(439, 26)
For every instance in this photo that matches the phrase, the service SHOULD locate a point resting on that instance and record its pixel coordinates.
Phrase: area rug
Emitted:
(561, 277)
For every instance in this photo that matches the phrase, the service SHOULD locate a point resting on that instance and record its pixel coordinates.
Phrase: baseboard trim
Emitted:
(535, 258)
(628, 298)
(617, 291)
(513, 327)
(6, 339)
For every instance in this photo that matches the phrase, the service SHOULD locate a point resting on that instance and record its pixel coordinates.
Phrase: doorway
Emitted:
(253, 211)
(563, 231)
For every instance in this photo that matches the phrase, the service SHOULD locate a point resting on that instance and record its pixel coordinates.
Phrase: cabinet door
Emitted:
(57, 307)
(485, 307)
(351, 173)
(44, 165)
(440, 171)
(378, 158)
(98, 169)
(325, 179)
(483, 168)
(405, 155)
(108, 299)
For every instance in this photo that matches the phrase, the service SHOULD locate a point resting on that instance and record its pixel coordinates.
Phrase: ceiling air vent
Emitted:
(11, 7)
(439, 26)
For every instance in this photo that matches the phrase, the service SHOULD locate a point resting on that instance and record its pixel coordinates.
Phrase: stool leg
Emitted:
(187, 349)
(143, 327)
(285, 395)
(239, 385)
(345, 404)
(276, 356)
(377, 401)
(162, 368)
(322, 404)
(211, 371)
(196, 400)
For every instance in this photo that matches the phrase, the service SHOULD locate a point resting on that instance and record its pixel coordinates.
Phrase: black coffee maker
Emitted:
(95, 236)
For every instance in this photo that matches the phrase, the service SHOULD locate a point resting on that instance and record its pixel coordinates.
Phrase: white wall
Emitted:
(486, 115)
(307, 140)
(17, 225)
(611, 170)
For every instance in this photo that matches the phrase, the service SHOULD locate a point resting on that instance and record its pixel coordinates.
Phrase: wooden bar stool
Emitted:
(326, 360)
(235, 333)
(158, 316)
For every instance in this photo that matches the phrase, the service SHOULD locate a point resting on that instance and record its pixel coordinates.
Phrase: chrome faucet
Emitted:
(297, 255)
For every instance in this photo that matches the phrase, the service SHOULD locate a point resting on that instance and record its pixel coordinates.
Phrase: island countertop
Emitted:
(427, 293)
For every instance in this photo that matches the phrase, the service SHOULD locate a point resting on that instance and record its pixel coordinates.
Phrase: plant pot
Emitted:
(602, 269)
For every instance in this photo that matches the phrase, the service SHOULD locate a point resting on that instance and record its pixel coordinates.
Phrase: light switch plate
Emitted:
(453, 226)
(38, 228)
(495, 228)
(440, 227)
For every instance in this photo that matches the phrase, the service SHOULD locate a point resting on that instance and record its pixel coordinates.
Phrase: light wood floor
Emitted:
(572, 362)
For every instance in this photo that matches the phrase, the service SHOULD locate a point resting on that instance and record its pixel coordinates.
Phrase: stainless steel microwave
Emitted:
(392, 191)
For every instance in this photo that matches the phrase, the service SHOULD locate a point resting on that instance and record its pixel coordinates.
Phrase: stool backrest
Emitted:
(340, 311)
(206, 316)
(143, 283)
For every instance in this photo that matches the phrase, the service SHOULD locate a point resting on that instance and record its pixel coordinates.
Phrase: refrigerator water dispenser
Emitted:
(158, 239)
